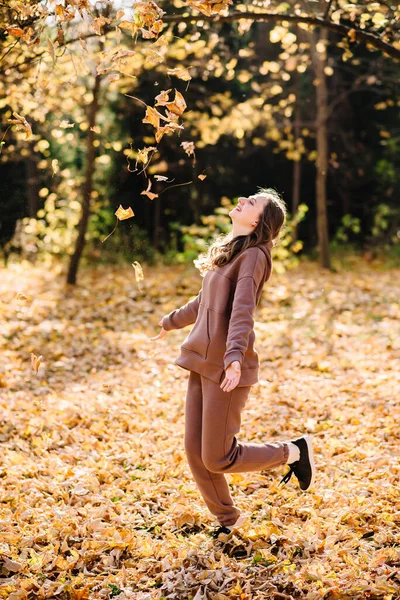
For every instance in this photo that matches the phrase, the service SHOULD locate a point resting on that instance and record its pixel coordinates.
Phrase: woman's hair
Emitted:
(266, 233)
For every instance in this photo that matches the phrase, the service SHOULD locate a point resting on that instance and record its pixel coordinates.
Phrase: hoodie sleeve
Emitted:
(241, 322)
(181, 317)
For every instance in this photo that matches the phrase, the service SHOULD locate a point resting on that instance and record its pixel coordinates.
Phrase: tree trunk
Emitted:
(88, 184)
(156, 223)
(319, 62)
(33, 185)
(296, 163)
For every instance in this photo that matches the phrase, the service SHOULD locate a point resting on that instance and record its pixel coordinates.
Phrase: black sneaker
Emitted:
(304, 468)
(221, 529)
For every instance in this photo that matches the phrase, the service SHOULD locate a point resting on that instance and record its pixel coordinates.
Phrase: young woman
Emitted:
(223, 363)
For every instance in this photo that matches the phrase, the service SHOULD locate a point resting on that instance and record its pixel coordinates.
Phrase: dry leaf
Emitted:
(170, 128)
(98, 23)
(35, 362)
(138, 271)
(15, 31)
(124, 213)
(181, 73)
(188, 148)
(66, 124)
(178, 105)
(21, 124)
(51, 49)
(153, 117)
(143, 154)
(147, 193)
(21, 297)
(209, 7)
(162, 98)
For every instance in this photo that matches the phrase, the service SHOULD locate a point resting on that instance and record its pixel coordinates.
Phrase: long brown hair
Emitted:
(266, 233)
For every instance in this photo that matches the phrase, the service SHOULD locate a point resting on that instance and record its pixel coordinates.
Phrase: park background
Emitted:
(128, 131)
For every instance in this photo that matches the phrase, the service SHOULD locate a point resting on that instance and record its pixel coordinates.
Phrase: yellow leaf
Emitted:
(147, 193)
(143, 154)
(21, 124)
(51, 49)
(138, 271)
(163, 98)
(170, 128)
(352, 35)
(178, 105)
(124, 213)
(181, 73)
(35, 361)
(188, 148)
(153, 117)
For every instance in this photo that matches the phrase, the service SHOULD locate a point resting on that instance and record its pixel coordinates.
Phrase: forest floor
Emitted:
(96, 496)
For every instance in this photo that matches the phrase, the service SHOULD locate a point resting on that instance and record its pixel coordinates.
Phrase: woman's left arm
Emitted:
(241, 321)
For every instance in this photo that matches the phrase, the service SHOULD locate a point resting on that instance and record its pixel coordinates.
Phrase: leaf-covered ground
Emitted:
(96, 497)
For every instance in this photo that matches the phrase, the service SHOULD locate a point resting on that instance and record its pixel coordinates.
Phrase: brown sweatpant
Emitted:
(212, 420)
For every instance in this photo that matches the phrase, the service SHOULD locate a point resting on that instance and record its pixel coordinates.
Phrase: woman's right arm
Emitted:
(181, 317)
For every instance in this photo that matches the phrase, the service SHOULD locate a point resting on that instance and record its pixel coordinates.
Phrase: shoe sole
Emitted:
(308, 439)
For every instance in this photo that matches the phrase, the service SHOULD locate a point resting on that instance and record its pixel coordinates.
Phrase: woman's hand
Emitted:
(161, 334)
(232, 376)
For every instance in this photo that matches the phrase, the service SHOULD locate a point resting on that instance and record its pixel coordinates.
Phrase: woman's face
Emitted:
(248, 210)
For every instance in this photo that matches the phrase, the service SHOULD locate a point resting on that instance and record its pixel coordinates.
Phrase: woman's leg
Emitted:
(213, 487)
(221, 451)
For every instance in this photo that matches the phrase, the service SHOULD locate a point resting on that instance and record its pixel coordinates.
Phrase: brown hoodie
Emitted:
(223, 316)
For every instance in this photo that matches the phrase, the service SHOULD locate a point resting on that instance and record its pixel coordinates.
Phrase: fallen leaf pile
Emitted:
(96, 496)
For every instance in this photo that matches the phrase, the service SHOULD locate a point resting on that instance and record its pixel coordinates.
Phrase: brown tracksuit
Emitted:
(223, 332)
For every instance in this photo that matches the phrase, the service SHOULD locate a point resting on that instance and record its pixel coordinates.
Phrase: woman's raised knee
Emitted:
(214, 464)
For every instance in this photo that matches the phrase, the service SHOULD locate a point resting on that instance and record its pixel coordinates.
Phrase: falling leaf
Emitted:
(153, 117)
(147, 193)
(178, 105)
(352, 35)
(163, 98)
(121, 214)
(201, 177)
(138, 272)
(124, 213)
(21, 124)
(181, 73)
(95, 129)
(143, 154)
(188, 148)
(170, 128)
(51, 49)
(161, 177)
(35, 362)
(98, 23)
(66, 124)
(21, 297)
